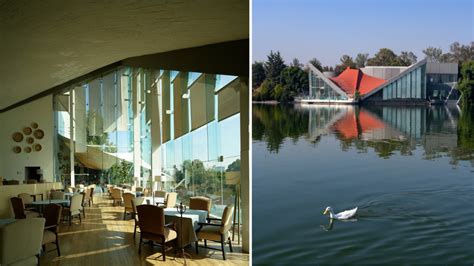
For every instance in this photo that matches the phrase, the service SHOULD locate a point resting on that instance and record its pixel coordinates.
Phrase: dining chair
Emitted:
(116, 196)
(20, 242)
(151, 220)
(200, 203)
(87, 197)
(127, 203)
(19, 209)
(27, 200)
(71, 189)
(52, 214)
(217, 232)
(136, 202)
(74, 208)
(170, 200)
(160, 194)
(57, 195)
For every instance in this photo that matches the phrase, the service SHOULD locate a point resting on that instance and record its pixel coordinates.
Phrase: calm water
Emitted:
(409, 170)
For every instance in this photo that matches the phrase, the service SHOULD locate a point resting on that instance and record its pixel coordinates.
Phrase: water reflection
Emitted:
(439, 130)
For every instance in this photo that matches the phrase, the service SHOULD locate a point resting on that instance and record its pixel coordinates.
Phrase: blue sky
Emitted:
(328, 29)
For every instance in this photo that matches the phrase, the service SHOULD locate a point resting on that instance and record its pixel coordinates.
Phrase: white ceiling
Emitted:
(46, 43)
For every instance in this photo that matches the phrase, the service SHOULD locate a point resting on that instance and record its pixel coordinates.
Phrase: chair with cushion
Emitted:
(57, 195)
(151, 220)
(170, 200)
(217, 232)
(20, 242)
(136, 202)
(200, 203)
(27, 200)
(116, 196)
(74, 208)
(52, 214)
(127, 203)
(71, 189)
(160, 194)
(19, 209)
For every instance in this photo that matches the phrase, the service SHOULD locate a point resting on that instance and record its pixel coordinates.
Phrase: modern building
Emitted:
(421, 83)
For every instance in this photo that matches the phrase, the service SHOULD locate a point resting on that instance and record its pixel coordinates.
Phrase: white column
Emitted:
(72, 116)
(137, 162)
(155, 128)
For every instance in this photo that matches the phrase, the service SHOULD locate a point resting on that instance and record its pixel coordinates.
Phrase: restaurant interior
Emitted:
(124, 133)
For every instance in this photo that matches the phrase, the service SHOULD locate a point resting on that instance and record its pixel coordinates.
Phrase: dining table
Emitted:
(6, 221)
(154, 200)
(41, 203)
(190, 223)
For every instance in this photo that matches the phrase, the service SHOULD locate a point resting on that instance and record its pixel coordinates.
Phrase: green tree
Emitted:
(264, 92)
(347, 61)
(121, 172)
(258, 74)
(384, 57)
(361, 60)
(316, 63)
(433, 54)
(466, 84)
(295, 81)
(296, 63)
(274, 66)
(407, 58)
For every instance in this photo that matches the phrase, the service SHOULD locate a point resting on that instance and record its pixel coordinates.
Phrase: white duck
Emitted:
(342, 215)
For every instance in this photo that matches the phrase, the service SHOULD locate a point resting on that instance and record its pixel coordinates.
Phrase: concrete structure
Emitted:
(421, 83)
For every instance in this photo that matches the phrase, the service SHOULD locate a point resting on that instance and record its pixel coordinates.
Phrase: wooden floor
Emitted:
(104, 238)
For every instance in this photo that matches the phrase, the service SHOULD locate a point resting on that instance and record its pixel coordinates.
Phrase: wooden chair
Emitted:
(217, 232)
(52, 214)
(116, 196)
(19, 209)
(136, 202)
(75, 208)
(200, 203)
(127, 203)
(20, 242)
(151, 220)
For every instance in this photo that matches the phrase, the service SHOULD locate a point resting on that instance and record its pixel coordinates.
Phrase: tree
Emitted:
(258, 74)
(459, 53)
(273, 66)
(296, 63)
(407, 58)
(384, 57)
(295, 82)
(466, 84)
(316, 63)
(361, 60)
(263, 93)
(346, 61)
(433, 54)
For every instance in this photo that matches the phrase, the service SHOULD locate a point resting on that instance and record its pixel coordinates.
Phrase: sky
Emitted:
(305, 29)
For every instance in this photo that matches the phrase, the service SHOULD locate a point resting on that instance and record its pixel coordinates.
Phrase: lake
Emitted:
(409, 170)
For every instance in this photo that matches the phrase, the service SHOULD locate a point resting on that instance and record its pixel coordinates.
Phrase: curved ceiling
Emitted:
(46, 43)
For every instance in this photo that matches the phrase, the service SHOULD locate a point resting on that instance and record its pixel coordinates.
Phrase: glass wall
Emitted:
(408, 86)
(159, 129)
(319, 89)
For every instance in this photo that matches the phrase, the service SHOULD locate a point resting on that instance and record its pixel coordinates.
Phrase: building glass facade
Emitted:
(320, 90)
(157, 129)
(410, 85)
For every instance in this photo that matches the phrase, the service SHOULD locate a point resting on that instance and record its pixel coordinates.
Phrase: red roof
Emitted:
(352, 80)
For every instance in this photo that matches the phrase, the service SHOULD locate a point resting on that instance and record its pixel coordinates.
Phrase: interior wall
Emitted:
(12, 165)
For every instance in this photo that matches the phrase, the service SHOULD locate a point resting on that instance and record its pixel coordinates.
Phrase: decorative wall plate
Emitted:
(39, 134)
(27, 149)
(37, 147)
(34, 125)
(27, 130)
(16, 149)
(30, 140)
(17, 137)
